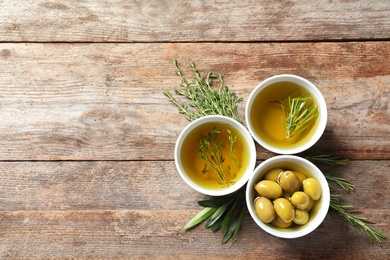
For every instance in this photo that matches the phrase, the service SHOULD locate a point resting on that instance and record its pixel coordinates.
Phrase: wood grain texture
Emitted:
(189, 21)
(87, 137)
(105, 102)
(146, 185)
(146, 234)
(98, 210)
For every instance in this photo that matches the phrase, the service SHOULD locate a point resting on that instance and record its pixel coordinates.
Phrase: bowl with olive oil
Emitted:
(287, 196)
(215, 155)
(286, 114)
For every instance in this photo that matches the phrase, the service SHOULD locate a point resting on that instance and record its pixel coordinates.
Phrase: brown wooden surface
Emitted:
(87, 138)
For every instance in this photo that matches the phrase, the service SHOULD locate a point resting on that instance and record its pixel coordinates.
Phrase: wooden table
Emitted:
(87, 137)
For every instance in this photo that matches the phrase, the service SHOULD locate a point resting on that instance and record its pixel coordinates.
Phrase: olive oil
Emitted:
(193, 164)
(266, 116)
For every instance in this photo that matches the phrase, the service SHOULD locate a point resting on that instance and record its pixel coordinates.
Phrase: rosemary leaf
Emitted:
(204, 99)
(343, 183)
(332, 160)
(327, 159)
(297, 113)
(360, 223)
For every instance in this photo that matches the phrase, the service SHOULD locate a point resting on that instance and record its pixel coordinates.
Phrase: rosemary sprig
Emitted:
(333, 160)
(342, 210)
(297, 113)
(341, 182)
(360, 223)
(203, 98)
(327, 159)
(227, 212)
(210, 150)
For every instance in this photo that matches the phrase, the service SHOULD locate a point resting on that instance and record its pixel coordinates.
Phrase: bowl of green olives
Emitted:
(287, 196)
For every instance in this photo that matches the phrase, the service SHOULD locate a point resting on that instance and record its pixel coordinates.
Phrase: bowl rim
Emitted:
(316, 172)
(312, 89)
(248, 139)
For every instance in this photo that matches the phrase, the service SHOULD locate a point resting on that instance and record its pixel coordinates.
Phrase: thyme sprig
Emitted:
(204, 99)
(297, 113)
(211, 150)
(227, 212)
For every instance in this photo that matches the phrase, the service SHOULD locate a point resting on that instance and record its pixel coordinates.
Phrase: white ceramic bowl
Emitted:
(264, 138)
(247, 166)
(317, 214)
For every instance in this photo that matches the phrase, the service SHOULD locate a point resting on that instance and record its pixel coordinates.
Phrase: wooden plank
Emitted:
(169, 21)
(157, 234)
(105, 102)
(100, 210)
(73, 185)
(147, 185)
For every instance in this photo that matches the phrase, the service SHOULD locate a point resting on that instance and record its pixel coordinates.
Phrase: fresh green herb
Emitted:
(341, 182)
(345, 212)
(297, 113)
(327, 159)
(222, 213)
(204, 99)
(227, 212)
(332, 160)
(211, 150)
(199, 218)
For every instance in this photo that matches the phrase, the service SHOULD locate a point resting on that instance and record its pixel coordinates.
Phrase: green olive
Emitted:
(301, 200)
(313, 188)
(301, 217)
(284, 209)
(289, 182)
(268, 189)
(301, 177)
(311, 204)
(273, 174)
(279, 223)
(264, 209)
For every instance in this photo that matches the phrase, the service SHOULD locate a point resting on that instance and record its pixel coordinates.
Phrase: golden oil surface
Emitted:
(266, 116)
(193, 164)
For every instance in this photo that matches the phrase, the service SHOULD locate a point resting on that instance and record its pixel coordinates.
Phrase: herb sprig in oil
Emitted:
(226, 213)
(211, 150)
(298, 112)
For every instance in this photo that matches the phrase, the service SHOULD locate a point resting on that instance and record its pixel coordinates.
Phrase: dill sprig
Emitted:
(360, 223)
(204, 99)
(297, 113)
